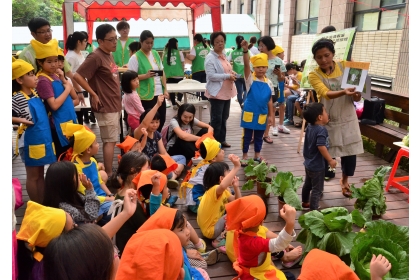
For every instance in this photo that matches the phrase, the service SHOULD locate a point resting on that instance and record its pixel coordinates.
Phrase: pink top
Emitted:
(228, 89)
(132, 104)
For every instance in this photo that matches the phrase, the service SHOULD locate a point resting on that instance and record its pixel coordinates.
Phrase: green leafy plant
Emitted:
(406, 140)
(259, 171)
(285, 185)
(329, 230)
(381, 237)
(370, 198)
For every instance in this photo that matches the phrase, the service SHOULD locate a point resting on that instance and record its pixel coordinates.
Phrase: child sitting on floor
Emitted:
(252, 247)
(167, 165)
(315, 150)
(174, 220)
(85, 147)
(192, 188)
(258, 105)
(132, 144)
(211, 211)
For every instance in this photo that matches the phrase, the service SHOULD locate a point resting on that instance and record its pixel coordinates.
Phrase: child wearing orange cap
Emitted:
(174, 220)
(85, 147)
(160, 259)
(193, 189)
(37, 148)
(132, 144)
(252, 246)
(258, 107)
(57, 95)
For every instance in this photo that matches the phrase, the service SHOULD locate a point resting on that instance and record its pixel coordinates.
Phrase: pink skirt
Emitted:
(133, 122)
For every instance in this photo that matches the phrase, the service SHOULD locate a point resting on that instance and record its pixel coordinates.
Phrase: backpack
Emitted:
(164, 134)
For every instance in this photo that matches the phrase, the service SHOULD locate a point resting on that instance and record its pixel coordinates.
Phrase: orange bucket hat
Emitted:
(150, 255)
(245, 212)
(171, 164)
(145, 178)
(163, 218)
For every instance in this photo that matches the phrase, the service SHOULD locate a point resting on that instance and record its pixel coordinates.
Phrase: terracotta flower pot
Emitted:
(261, 190)
(281, 202)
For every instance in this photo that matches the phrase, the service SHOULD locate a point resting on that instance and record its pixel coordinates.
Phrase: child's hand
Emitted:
(144, 131)
(350, 91)
(194, 254)
(332, 163)
(235, 160)
(59, 72)
(101, 166)
(156, 179)
(235, 182)
(130, 202)
(160, 100)
(379, 267)
(244, 45)
(288, 213)
(85, 182)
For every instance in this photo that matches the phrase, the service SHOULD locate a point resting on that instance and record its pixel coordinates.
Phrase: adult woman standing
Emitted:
(220, 87)
(237, 59)
(345, 140)
(173, 65)
(75, 45)
(251, 47)
(197, 55)
(274, 72)
(144, 62)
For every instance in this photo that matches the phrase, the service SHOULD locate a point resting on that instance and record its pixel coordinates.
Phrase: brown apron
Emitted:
(343, 129)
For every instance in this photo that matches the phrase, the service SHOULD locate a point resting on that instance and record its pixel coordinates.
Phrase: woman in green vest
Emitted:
(122, 53)
(173, 65)
(237, 60)
(151, 85)
(197, 55)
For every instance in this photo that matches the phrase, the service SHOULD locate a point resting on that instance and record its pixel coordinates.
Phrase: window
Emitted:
(307, 16)
(222, 7)
(276, 17)
(254, 8)
(229, 7)
(242, 7)
(379, 15)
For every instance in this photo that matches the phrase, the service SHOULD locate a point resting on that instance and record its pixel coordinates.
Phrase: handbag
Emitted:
(373, 111)
(17, 188)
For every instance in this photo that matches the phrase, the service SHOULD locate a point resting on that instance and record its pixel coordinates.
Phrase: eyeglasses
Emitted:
(112, 40)
(44, 32)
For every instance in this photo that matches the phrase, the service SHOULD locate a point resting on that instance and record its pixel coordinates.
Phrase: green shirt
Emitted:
(174, 69)
(238, 61)
(28, 54)
(121, 56)
(200, 54)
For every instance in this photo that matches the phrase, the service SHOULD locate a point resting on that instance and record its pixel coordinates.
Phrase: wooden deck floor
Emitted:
(282, 153)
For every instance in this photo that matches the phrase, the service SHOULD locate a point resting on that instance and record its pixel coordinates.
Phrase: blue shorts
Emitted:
(280, 100)
(104, 208)
(180, 159)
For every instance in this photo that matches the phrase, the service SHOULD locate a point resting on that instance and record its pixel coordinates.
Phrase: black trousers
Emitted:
(185, 148)
(149, 104)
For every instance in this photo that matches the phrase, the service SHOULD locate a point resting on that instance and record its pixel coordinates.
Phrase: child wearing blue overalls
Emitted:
(258, 106)
(55, 91)
(34, 131)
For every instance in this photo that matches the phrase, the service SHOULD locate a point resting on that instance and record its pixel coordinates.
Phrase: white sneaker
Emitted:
(274, 131)
(205, 107)
(283, 129)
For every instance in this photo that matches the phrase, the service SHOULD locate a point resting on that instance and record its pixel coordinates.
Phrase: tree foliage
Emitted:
(51, 10)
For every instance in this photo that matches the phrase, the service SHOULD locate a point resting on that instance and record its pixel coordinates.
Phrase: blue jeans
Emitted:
(313, 187)
(240, 87)
(219, 113)
(290, 106)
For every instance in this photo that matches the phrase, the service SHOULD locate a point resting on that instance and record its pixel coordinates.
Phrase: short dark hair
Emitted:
(102, 30)
(323, 43)
(146, 34)
(203, 150)
(290, 66)
(134, 46)
(311, 112)
(213, 173)
(328, 28)
(214, 35)
(238, 41)
(158, 163)
(302, 64)
(155, 118)
(122, 24)
(126, 79)
(179, 220)
(85, 252)
(35, 23)
(72, 39)
(268, 42)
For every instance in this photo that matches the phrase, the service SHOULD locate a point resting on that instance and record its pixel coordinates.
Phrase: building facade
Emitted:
(382, 36)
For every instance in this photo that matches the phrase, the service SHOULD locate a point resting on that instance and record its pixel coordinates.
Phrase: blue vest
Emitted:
(255, 111)
(65, 113)
(38, 144)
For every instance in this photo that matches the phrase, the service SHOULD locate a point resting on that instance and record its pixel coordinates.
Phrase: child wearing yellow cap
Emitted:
(85, 147)
(253, 246)
(34, 139)
(192, 188)
(57, 95)
(258, 107)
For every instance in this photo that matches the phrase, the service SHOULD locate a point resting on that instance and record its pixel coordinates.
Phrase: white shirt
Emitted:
(254, 50)
(75, 60)
(133, 65)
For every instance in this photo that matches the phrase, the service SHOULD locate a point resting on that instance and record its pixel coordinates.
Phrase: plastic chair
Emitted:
(197, 103)
(395, 181)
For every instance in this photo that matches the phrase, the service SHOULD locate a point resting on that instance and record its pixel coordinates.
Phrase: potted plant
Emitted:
(259, 174)
(285, 187)
(249, 169)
